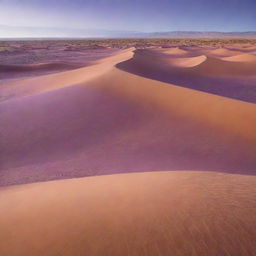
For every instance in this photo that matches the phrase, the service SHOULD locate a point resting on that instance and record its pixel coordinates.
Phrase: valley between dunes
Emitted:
(147, 117)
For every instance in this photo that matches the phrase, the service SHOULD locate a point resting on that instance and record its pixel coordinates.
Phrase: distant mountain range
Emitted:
(39, 32)
(201, 34)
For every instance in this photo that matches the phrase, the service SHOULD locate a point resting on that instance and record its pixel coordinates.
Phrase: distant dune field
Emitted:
(132, 113)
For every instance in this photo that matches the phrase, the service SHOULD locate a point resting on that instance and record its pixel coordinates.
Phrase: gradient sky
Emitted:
(134, 15)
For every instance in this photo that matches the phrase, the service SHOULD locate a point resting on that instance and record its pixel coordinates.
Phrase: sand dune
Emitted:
(59, 80)
(42, 66)
(18, 72)
(187, 62)
(241, 58)
(201, 65)
(129, 122)
(157, 94)
(216, 67)
(224, 78)
(140, 111)
(39, 58)
(153, 57)
(223, 52)
(249, 48)
(159, 213)
(174, 51)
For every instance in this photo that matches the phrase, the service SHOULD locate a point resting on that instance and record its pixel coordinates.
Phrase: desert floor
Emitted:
(167, 134)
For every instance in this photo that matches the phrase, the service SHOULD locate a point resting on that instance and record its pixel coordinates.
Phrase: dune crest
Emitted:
(241, 58)
(156, 93)
(188, 62)
(46, 83)
(221, 68)
(174, 51)
(223, 52)
(213, 75)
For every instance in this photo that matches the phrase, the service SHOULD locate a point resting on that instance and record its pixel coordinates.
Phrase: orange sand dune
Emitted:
(143, 214)
(219, 67)
(200, 65)
(223, 52)
(120, 121)
(153, 57)
(153, 93)
(250, 48)
(213, 75)
(29, 62)
(136, 111)
(241, 58)
(187, 62)
(54, 81)
(174, 51)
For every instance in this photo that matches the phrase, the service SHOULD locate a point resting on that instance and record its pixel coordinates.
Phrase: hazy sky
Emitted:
(135, 15)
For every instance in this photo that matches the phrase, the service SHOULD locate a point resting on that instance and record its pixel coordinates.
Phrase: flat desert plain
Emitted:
(128, 148)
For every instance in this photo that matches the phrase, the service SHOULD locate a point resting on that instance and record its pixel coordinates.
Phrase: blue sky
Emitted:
(135, 15)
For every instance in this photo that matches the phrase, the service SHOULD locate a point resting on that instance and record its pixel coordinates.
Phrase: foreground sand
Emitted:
(158, 213)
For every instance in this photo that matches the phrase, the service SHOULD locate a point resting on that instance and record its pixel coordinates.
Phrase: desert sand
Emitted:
(224, 52)
(134, 110)
(173, 51)
(157, 213)
(242, 58)
(33, 58)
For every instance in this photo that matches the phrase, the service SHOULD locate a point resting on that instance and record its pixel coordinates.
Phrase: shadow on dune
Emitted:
(23, 71)
(84, 131)
(43, 67)
(118, 122)
(232, 80)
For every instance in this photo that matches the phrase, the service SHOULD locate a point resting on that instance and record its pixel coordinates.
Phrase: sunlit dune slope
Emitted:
(173, 51)
(168, 98)
(59, 80)
(152, 57)
(242, 58)
(187, 62)
(143, 214)
(119, 122)
(30, 59)
(223, 52)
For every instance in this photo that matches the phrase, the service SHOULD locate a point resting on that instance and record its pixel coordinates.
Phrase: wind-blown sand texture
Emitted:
(157, 213)
(135, 110)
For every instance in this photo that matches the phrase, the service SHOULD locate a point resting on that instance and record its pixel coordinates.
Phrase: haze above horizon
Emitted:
(128, 15)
